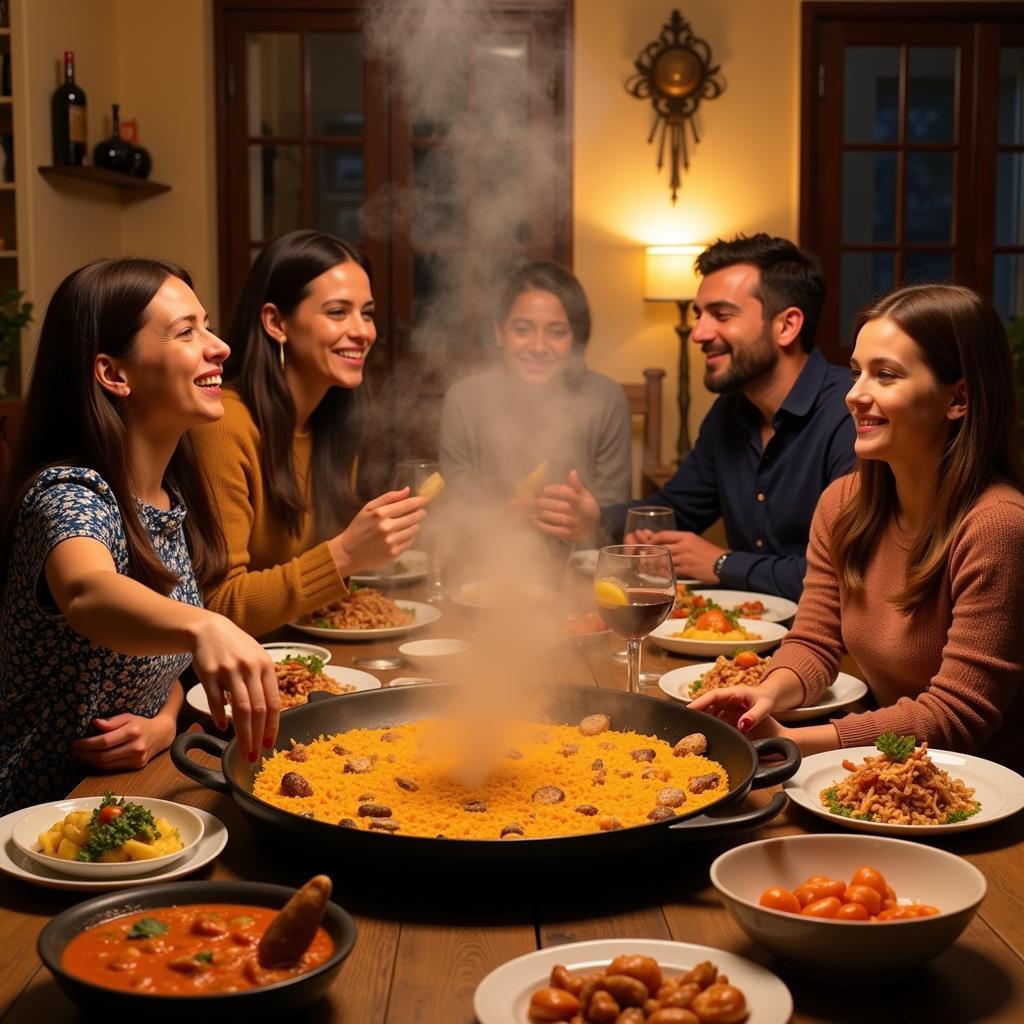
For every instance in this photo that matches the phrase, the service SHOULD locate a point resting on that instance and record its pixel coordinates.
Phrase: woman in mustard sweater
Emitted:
(916, 561)
(281, 462)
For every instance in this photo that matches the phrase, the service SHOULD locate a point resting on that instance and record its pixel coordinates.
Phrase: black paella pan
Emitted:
(376, 709)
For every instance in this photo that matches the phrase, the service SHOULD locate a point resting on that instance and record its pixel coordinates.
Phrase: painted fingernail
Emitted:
(268, 742)
(252, 755)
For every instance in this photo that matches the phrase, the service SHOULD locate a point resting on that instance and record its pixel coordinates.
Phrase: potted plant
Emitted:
(14, 317)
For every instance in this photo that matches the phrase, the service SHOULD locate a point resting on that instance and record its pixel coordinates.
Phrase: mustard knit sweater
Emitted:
(273, 576)
(952, 674)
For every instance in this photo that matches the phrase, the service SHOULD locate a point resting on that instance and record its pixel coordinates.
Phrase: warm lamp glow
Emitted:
(670, 273)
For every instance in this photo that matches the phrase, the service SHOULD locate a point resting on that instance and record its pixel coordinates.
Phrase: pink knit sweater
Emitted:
(952, 674)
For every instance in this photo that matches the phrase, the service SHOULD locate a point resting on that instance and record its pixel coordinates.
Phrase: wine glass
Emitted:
(413, 473)
(634, 590)
(649, 517)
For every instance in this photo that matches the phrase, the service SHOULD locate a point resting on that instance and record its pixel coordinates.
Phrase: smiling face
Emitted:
(536, 337)
(330, 332)
(903, 413)
(173, 372)
(738, 345)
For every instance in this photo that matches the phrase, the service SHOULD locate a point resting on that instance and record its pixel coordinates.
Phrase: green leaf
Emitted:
(135, 822)
(147, 928)
(896, 748)
(954, 816)
(309, 661)
(322, 623)
(835, 807)
(204, 956)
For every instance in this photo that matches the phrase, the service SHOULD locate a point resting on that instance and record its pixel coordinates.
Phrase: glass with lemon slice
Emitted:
(423, 477)
(634, 589)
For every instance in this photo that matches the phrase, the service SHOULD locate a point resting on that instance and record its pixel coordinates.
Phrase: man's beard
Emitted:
(747, 364)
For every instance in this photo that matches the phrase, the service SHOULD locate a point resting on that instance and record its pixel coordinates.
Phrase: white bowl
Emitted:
(771, 634)
(282, 651)
(866, 949)
(40, 818)
(429, 654)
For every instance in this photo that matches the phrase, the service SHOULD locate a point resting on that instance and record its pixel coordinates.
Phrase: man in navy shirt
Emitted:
(773, 441)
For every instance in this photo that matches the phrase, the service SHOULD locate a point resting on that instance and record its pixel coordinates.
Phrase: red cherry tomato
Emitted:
(777, 898)
(746, 659)
(715, 620)
(109, 813)
(871, 877)
(827, 908)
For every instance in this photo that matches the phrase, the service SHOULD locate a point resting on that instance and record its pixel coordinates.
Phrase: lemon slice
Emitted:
(431, 487)
(533, 483)
(609, 594)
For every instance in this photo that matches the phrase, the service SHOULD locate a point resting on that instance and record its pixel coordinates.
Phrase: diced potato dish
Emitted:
(65, 839)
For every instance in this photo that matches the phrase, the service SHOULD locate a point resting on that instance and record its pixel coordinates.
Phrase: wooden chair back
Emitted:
(645, 401)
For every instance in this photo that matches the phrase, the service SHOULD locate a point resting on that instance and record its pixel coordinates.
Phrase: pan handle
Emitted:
(711, 824)
(208, 744)
(778, 771)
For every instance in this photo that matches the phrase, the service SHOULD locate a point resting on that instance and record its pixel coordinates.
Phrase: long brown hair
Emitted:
(71, 421)
(281, 275)
(960, 336)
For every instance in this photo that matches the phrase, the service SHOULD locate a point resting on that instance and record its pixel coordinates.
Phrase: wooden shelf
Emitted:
(126, 184)
(8, 254)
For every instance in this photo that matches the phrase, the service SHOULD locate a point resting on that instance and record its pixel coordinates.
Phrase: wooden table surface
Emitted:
(423, 945)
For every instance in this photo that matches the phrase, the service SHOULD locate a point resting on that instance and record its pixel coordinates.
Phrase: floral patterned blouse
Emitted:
(53, 681)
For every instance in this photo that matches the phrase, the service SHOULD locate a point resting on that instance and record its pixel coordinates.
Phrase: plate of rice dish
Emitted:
(902, 788)
(297, 677)
(747, 668)
(717, 632)
(366, 614)
(408, 568)
(549, 780)
(743, 603)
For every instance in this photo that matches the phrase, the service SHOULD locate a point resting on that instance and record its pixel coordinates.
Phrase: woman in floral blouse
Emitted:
(109, 536)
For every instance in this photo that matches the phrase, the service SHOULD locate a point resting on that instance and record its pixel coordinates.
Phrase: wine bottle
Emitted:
(114, 153)
(68, 109)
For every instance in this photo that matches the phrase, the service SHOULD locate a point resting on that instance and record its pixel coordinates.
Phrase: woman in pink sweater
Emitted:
(916, 560)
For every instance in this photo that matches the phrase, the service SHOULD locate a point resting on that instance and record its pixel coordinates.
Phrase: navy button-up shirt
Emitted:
(766, 497)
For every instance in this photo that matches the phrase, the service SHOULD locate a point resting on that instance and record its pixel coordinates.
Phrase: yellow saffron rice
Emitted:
(420, 754)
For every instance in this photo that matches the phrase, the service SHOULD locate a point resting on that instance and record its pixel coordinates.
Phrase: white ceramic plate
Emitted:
(844, 691)
(40, 818)
(282, 651)
(408, 568)
(488, 595)
(999, 790)
(19, 865)
(771, 634)
(423, 615)
(584, 562)
(776, 609)
(503, 997)
(197, 698)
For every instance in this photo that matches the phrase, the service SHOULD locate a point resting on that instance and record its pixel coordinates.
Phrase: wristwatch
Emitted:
(719, 563)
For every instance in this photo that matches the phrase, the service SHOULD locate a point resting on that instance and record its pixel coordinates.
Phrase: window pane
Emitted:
(1009, 204)
(1008, 284)
(929, 201)
(335, 84)
(439, 196)
(931, 94)
(275, 190)
(865, 275)
(869, 197)
(273, 81)
(871, 87)
(1011, 95)
(339, 188)
(926, 267)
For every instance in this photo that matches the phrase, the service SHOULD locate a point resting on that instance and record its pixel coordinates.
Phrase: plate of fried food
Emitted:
(745, 603)
(901, 788)
(598, 980)
(716, 632)
(298, 675)
(366, 614)
(748, 668)
(409, 568)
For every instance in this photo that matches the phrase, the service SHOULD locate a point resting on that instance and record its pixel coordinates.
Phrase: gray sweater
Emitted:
(495, 429)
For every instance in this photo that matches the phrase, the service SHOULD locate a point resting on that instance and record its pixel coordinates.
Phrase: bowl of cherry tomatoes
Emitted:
(849, 905)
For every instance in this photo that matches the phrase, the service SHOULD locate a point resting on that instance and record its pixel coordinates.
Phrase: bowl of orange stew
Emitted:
(186, 950)
(849, 906)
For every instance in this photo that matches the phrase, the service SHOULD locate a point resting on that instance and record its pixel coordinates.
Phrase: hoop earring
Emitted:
(280, 355)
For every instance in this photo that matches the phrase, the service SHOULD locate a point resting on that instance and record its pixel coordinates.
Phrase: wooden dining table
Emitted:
(425, 943)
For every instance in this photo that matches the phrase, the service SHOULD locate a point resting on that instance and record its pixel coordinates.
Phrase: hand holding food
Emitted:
(382, 529)
(567, 511)
(432, 487)
(533, 483)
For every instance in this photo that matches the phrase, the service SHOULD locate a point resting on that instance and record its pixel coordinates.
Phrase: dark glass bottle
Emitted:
(114, 153)
(68, 115)
(142, 162)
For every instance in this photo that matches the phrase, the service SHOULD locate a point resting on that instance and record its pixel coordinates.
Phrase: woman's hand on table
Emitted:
(381, 530)
(749, 708)
(567, 511)
(229, 663)
(126, 742)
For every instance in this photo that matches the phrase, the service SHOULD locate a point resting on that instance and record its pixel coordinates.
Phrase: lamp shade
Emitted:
(670, 274)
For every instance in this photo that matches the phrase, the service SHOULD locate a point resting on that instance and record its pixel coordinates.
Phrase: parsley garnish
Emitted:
(835, 807)
(696, 685)
(309, 661)
(896, 748)
(322, 623)
(204, 956)
(134, 822)
(954, 816)
(147, 928)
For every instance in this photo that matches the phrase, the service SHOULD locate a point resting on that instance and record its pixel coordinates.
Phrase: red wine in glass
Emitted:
(647, 608)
